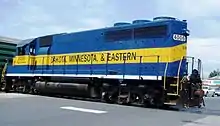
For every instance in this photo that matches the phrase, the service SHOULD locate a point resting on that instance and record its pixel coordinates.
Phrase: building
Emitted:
(7, 49)
(214, 81)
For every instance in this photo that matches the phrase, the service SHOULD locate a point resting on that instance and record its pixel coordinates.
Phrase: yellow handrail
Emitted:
(178, 75)
(165, 73)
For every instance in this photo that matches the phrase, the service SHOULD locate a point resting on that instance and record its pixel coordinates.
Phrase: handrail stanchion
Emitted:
(178, 75)
(48, 63)
(158, 60)
(53, 68)
(64, 63)
(42, 65)
(91, 72)
(124, 58)
(106, 69)
(192, 63)
(77, 65)
(165, 74)
(29, 62)
(34, 65)
(140, 67)
(187, 67)
(199, 66)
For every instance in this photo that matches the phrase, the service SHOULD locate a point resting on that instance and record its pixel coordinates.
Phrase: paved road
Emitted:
(27, 110)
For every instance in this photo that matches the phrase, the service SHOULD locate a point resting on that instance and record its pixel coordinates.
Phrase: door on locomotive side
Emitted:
(43, 47)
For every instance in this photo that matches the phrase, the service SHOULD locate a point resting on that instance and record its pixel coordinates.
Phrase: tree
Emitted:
(214, 73)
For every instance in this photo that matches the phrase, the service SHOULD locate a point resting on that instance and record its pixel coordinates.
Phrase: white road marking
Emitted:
(207, 121)
(13, 95)
(83, 110)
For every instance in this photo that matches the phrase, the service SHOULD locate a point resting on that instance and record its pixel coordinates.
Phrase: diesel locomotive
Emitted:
(128, 63)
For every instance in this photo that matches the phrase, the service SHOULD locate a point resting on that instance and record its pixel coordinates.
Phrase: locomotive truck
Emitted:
(128, 63)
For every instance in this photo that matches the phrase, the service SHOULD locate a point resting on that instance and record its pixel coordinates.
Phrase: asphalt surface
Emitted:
(29, 110)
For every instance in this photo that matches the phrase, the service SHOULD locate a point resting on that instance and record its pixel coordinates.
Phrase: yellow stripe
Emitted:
(168, 54)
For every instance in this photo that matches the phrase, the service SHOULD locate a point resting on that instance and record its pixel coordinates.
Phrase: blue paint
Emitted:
(151, 69)
(94, 40)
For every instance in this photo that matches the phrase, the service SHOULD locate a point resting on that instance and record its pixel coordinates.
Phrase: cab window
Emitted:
(21, 50)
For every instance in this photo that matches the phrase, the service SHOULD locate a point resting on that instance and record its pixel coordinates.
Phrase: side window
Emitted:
(10, 61)
(32, 49)
(45, 45)
(21, 50)
(46, 41)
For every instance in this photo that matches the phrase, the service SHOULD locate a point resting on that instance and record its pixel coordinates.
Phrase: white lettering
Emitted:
(178, 37)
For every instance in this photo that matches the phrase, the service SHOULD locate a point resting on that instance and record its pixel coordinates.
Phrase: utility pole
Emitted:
(202, 74)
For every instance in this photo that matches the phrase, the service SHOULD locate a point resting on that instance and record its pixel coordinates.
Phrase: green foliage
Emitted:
(214, 73)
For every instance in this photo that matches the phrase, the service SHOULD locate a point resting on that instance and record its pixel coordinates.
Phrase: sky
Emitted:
(24, 19)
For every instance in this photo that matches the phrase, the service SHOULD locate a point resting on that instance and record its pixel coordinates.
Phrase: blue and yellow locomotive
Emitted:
(139, 62)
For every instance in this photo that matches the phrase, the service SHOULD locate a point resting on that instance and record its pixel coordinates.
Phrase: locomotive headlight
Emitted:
(123, 85)
(186, 32)
(103, 94)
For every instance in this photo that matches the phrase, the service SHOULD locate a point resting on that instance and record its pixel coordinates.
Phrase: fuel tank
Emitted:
(76, 89)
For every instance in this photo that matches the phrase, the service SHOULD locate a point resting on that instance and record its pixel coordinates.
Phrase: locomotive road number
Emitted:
(178, 37)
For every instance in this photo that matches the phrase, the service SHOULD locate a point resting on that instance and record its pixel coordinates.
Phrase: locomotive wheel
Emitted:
(106, 97)
(25, 89)
(148, 100)
(4, 87)
(109, 97)
(34, 91)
